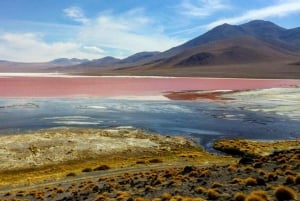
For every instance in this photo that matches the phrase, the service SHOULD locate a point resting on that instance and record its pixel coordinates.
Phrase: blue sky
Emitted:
(42, 30)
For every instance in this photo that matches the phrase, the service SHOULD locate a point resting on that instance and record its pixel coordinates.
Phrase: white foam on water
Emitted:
(196, 131)
(95, 107)
(67, 117)
(77, 122)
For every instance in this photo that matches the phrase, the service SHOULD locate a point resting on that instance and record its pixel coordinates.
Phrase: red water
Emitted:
(125, 86)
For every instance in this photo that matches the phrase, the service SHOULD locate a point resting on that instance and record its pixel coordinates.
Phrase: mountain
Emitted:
(105, 61)
(257, 41)
(108, 62)
(68, 62)
(255, 49)
(138, 57)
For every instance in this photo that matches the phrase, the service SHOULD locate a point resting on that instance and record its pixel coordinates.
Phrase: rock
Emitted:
(246, 160)
(188, 169)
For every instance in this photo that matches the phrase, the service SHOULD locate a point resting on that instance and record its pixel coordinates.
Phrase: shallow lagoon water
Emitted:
(203, 121)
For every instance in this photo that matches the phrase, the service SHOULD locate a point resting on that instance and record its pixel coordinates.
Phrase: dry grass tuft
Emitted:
(297, 179)
(232, 167)
(283, 193)
(237, 180)
(71, 174)
(123, 195)
(166, 196)
(262, 194)
(87, 170)
(239, 196)
(101, 198)
(102, 167)
(200, 190)
(140, 199)
(155, 160)
(250, 181)
(254, 198)
(212, 194)
(216, 185)
(290, 179)
(205, 173)
(272, 176)
(141, 162)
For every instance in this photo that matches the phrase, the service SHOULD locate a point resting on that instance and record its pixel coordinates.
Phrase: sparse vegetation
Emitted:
(238, 182)
(71, 174)
(87, 170)
(254, 197)
(283, 193)
(102, 167)
(297, 179)
(212, 194)
(155, 160)
(290, 179)
(262, 194)
(239, 196)
(250, 181)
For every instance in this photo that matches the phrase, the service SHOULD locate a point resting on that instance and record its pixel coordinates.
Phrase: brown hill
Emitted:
(255, 49)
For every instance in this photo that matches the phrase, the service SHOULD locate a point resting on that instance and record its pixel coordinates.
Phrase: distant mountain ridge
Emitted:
(225, 44)
(67, 62)
(258, 48)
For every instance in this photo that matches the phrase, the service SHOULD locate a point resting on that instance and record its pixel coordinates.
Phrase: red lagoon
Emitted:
(26, 86)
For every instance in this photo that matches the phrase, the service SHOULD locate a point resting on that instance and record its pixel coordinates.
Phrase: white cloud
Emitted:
(128, 33)
(94, 49)
(76, 14)
(28, 47)
(202, 8)
(281, 9)
(108, 34)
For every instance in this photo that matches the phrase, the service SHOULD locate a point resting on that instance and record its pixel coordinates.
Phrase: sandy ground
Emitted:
(52, 146)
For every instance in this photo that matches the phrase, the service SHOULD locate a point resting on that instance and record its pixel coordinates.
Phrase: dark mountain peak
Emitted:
(221, 32)
(67, 61)
(138, 57)
(105, 60)
(261, 23)
(225, 31)
(263, 29)
(224, 26)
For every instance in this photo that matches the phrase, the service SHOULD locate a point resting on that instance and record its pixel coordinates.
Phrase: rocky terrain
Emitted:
(54, 153)
(261, 171)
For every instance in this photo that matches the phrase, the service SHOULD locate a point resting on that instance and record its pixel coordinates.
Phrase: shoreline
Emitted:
(56, 152)
(65, 75)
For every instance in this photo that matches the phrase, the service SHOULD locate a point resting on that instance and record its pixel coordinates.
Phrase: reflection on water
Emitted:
(203, 121)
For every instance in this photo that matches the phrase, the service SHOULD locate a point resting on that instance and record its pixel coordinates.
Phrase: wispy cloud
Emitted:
(129, 32)
(113, 34)
(94, 49)
(76, 14)
(202, 8)
(28, 47)
(280, 9)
